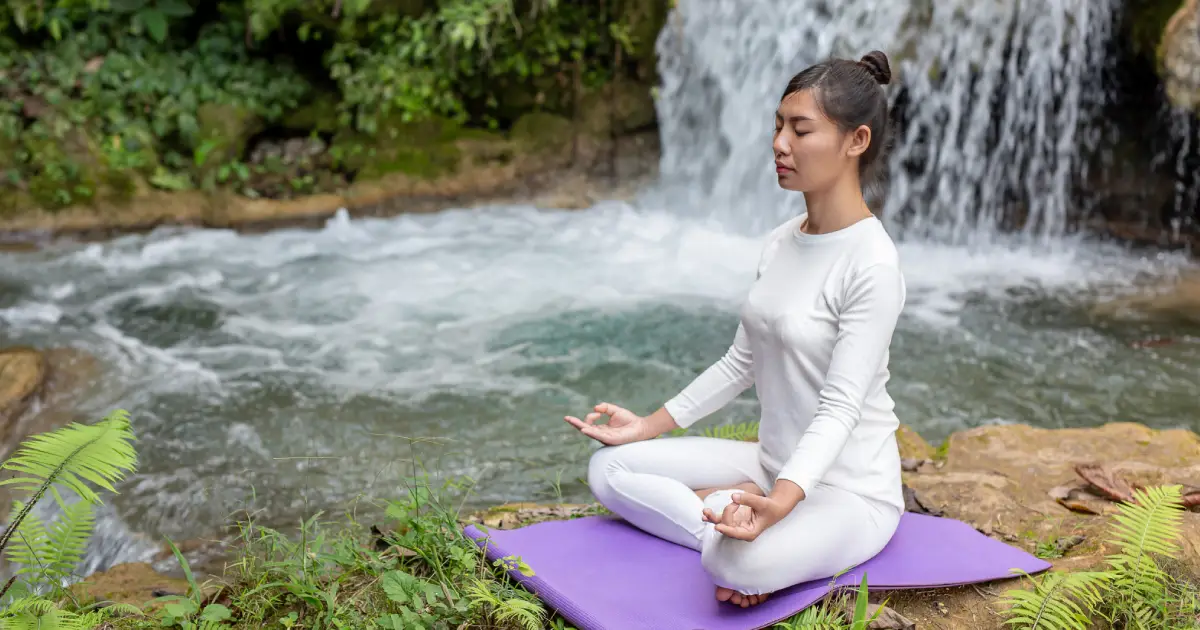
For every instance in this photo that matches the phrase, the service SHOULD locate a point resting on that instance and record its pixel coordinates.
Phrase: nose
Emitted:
(780, 145)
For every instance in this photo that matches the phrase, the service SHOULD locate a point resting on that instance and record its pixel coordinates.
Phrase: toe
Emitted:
(723, 594)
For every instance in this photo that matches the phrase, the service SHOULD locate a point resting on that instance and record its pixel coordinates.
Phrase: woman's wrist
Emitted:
(787, 493)
(658, 423)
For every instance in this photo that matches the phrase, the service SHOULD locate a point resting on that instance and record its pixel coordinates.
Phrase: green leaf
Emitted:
(174, 8)
(215, 612)
(399, 586)
(155, 22)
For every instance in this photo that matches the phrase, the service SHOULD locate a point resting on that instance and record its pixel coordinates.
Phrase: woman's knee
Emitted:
(604, 463)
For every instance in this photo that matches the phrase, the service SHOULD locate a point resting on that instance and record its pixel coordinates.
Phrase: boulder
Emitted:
(22, 375)
(224, 132)
(617, 108)
(1177, 301)
(134, 583)
(1179, 57)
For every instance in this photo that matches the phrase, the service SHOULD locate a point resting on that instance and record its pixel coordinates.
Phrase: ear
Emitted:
(858, 140)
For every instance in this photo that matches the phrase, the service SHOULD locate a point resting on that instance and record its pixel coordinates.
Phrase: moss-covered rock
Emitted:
(225, 130)
(617, 108)
(542, 132)
(320, 114)
(643, 19)
(425, 148)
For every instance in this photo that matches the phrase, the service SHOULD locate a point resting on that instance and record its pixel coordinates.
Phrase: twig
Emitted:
(7, 585)
(337, 8)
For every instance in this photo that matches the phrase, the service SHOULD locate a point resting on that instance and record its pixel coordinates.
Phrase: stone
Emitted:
(22, 374)
(539, 132)
(1174, 301)
(912, 445)
(1009, 481)
(1179, 56)
(134, 583)
(617, 108)
(225, 131)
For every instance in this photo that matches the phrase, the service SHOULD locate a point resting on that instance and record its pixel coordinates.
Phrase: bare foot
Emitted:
(738, 599)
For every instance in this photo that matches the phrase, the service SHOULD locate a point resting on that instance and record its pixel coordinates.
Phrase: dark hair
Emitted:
(849, 93)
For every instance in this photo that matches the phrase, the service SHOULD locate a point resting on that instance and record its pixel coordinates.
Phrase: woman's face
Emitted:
(811, 152)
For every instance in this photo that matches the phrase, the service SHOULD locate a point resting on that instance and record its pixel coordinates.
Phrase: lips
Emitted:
(782, 168)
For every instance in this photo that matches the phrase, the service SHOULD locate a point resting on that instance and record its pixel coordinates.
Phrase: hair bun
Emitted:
(877, 64)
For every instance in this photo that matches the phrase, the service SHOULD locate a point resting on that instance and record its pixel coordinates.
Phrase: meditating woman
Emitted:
(820, 491)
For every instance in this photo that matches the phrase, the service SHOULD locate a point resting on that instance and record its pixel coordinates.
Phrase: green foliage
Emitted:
(76, 458)
(831, 615)
(1133, 592)
(742, 431)
(103, 95)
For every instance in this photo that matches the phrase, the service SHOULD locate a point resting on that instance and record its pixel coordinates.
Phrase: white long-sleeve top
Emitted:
(813, 339)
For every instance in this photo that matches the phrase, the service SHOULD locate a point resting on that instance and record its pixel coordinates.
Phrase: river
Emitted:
(305, 370)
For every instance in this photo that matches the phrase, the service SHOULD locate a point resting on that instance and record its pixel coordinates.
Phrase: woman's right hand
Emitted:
(623, 425)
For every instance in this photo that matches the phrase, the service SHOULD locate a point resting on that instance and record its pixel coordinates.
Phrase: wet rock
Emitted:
(1177, 300)
(22, 374)
(1180, 57)
(134, 583)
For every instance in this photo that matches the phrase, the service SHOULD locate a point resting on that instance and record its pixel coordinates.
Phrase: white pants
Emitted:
(651, 485)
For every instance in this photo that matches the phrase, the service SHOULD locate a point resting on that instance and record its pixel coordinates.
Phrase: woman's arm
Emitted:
(873, 301)
(716, 386)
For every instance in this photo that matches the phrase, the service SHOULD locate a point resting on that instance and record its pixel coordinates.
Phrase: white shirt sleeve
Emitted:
(716, 386)
(873, 300)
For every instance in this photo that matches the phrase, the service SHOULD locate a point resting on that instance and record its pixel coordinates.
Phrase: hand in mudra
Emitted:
(623, 425)
(747, 517)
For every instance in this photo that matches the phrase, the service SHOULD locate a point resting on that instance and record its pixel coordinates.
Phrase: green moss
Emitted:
(425, 148)
(540, 131)
(224, 131)
(320, 114)
(1147, 19)
(617, 108)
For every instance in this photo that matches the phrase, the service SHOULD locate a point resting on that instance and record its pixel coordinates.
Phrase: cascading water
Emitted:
(996, 101)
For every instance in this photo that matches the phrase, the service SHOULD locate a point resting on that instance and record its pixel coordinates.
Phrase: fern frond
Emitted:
(1151, 523)
(72, 457)
(525, 613)
(31, 542)
(1058, 601)
(68, 540)
(742, 431)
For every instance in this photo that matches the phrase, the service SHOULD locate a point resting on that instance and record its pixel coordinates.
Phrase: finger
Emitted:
(592, 418)
(609, 409)
(575, 422)
(752, 501)
(728, 512)
(710, 516)
(740, 533)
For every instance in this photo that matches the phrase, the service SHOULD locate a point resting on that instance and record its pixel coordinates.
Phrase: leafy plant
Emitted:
(1133, 592)
(79, 459)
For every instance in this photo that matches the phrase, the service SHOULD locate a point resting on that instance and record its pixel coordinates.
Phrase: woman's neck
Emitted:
(836, 207)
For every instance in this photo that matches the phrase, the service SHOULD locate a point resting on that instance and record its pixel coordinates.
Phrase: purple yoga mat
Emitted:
(601, 573)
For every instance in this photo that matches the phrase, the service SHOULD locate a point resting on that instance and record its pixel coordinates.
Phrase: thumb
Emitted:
(752, 501)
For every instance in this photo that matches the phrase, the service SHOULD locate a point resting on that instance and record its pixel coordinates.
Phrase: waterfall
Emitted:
(995, 104)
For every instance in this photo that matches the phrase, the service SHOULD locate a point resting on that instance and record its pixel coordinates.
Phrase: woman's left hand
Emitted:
(748, 516)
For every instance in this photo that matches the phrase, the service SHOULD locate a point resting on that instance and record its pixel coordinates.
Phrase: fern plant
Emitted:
(742, 431)
(1134, 591)
(76, 458)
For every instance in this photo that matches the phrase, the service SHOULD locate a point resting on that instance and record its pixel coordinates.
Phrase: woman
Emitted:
(820, 492)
